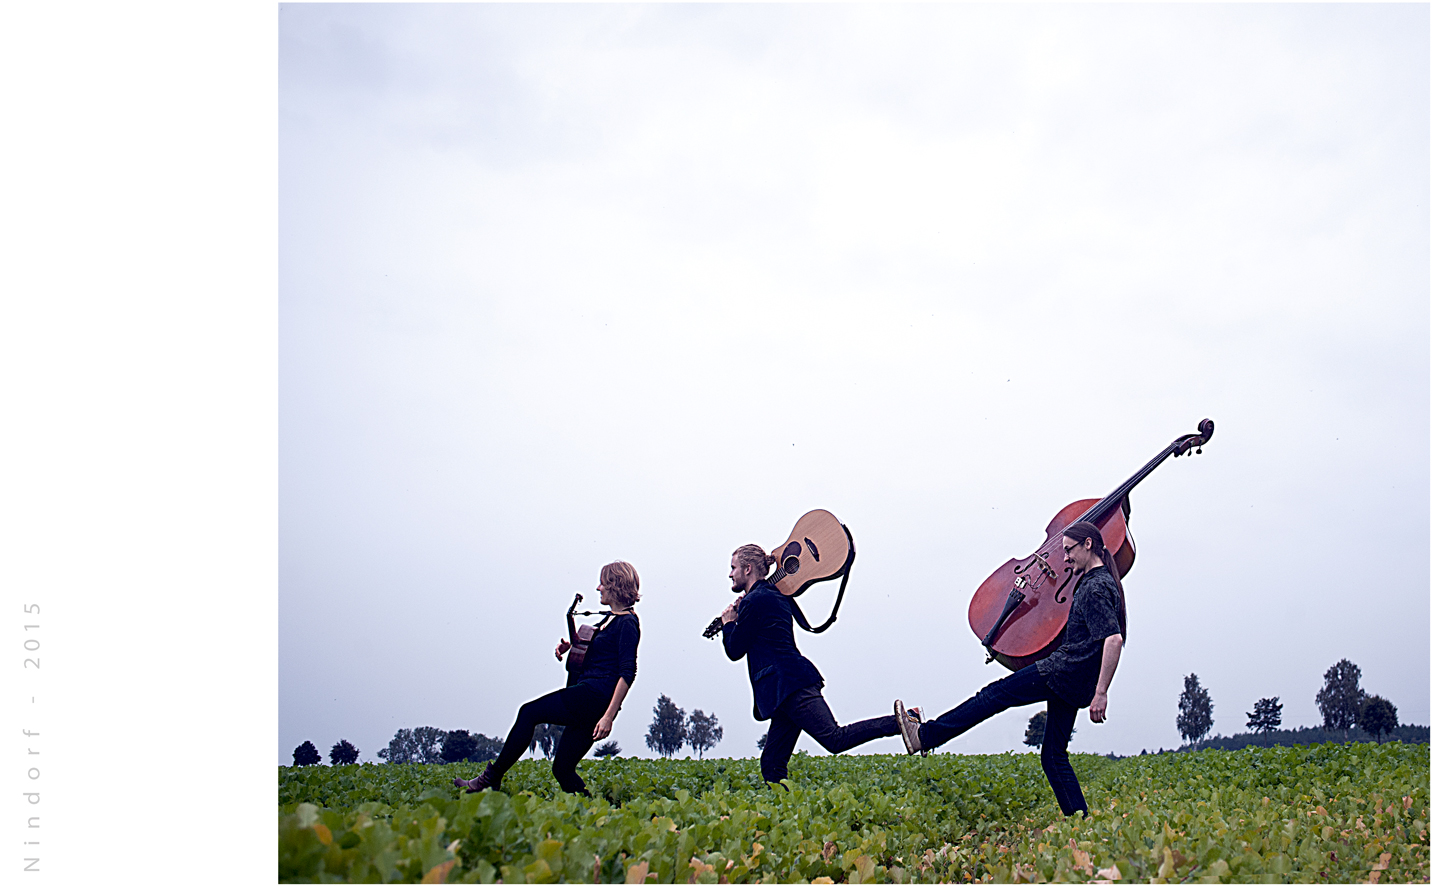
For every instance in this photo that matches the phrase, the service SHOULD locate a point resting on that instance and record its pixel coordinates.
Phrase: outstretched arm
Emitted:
(1113, 645)
(604, 725)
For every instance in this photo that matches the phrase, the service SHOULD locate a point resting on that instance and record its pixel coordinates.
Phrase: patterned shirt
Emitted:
(1096, 613)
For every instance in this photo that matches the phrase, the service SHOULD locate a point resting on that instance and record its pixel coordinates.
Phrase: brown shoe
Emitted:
(909, 728)
(482, 782)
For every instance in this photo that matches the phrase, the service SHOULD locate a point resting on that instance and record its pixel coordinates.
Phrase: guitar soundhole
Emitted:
(814, 551)
(791, 565)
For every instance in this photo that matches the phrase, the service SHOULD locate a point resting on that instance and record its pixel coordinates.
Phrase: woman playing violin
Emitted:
(593, 694)
(1076, 675)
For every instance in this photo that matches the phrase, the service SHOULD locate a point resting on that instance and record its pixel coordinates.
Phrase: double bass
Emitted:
(1020, 611)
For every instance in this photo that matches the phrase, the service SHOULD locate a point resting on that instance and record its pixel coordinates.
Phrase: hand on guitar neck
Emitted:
(727, 615)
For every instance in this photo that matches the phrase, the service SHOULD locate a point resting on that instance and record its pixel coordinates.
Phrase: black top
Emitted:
(763, 633)
(611, 656)
(1073, 669)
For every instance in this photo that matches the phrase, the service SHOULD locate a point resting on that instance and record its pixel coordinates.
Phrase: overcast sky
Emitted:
(560, 285)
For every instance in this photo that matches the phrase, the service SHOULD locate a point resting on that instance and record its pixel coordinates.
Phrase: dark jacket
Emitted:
(763, 633)
(611, 656)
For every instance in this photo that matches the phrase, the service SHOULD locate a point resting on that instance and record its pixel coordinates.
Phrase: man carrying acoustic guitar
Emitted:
(785, 684)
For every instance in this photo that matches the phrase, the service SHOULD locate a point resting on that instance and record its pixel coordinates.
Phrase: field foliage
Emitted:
(1324, 813)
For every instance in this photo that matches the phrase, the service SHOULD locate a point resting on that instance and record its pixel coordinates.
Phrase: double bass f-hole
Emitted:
(1068, 576)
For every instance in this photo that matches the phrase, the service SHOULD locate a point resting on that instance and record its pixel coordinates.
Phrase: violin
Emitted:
(582, 636)
(1020, 611)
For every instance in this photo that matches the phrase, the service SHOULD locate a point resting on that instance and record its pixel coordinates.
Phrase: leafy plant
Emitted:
(607, 749)
(1327, 813)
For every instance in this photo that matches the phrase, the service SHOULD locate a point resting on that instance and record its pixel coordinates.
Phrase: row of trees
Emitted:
(1342, 702)
(341, 753)
(428, 744)
(671, 729)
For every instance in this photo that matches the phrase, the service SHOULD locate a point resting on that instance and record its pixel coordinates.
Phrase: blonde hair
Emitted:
(755, 557)
(621, 579)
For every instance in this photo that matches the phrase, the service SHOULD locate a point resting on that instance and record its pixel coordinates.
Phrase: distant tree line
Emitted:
(341, 754)
(430, 745)
(1305, 735)
(1349, 714)
(671, 729)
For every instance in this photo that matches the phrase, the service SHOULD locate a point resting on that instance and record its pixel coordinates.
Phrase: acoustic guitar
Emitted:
(820, 548)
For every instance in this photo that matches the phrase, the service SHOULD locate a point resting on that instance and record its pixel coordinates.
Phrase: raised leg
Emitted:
(1025, 686)
(809, 710)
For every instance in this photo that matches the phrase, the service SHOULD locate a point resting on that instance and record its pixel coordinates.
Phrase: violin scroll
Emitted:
(1183, 444)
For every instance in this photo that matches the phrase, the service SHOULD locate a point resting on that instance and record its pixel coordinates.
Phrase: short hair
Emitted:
(755, 557)
(621, 579)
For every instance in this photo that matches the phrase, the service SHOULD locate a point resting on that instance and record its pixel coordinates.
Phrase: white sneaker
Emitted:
(909, 724)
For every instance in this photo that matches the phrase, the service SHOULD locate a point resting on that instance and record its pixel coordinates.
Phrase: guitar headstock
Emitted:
(1194, 441)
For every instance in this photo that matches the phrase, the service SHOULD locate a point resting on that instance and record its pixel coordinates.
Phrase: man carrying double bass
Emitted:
(786, 686)
(1076, 675)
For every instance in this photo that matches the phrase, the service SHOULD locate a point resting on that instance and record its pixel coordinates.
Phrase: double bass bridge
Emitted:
(1027, 580)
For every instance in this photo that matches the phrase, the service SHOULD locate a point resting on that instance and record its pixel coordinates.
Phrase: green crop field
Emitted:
(1315, 813)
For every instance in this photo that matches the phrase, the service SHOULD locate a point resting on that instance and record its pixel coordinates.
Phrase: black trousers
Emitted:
(806, 710)
(1024, 686)
(575, 707)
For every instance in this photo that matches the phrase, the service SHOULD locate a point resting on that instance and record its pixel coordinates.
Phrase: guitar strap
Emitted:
(800, 616)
